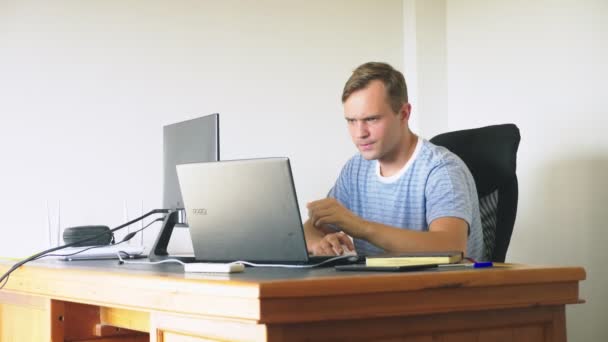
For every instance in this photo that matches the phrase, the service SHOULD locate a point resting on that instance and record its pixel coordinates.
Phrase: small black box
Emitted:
(99, 235)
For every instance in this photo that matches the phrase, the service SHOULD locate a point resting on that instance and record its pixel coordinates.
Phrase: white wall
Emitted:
(542, 65)
(425, 65)
(86, 86)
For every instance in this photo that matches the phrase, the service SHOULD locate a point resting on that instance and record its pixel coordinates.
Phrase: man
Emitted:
(400, 193)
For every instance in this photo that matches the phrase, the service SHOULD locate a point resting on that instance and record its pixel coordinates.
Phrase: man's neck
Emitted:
(391, 166)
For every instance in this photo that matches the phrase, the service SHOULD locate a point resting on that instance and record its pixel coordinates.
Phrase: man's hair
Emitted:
(394, 82)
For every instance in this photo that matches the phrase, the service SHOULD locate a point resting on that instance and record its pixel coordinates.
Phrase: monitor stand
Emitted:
(159, 249)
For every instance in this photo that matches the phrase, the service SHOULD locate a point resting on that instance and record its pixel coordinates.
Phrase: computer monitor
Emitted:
(191, 141)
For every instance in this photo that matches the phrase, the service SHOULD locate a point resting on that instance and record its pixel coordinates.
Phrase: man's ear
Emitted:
(404, 112)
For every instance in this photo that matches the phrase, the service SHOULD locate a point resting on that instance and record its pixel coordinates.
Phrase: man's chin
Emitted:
(368, 155)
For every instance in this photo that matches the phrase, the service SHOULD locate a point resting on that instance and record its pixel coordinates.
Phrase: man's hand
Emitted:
(333, 244)
(329, 211)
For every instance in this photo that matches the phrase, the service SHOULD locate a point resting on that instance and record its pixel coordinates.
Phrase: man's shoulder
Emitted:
(442, 162)
(435, 155)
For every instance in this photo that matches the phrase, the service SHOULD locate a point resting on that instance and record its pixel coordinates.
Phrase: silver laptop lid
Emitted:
(243, 210)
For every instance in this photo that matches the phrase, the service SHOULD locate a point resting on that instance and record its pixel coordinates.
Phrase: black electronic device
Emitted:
(88, 235)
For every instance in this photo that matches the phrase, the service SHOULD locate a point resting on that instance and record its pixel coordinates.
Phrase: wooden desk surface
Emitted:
(272, 295)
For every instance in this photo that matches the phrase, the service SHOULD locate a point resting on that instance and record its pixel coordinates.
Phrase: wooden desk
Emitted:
(80, 301)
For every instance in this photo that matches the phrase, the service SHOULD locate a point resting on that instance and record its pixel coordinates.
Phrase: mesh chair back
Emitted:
(490, 153)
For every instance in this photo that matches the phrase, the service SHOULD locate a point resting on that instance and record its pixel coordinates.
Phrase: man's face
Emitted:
(374, 127)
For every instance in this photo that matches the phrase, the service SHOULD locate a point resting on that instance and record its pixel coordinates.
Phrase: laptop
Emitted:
(244, 210)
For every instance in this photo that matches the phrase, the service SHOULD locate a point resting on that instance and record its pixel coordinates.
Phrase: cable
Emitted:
(122, 261)
(330, 260)
(167, 261)
(78, 252)
(5, 281)
(40, 254)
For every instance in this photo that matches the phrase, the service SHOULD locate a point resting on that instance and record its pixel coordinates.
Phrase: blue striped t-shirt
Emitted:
(434, 183)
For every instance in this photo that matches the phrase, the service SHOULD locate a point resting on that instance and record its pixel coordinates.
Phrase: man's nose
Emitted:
(361, 129)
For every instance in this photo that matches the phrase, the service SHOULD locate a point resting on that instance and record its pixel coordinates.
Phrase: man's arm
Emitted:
(445, 233)
(324, 241)
(312, 235)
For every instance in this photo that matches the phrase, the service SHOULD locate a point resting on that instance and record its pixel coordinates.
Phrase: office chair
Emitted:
(490, 154)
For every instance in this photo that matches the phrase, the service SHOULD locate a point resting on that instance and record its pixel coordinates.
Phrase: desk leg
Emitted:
(558, 327)
(24, 318)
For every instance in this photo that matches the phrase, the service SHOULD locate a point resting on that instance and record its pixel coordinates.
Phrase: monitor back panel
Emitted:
(191, 141)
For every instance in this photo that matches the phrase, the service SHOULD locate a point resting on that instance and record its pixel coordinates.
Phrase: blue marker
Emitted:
(483, 264)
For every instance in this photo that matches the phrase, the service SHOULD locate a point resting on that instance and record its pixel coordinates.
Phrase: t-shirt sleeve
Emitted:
(340, 190)
(449, 191)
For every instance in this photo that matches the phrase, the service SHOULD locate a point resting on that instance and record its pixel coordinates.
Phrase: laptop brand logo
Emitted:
(199, 211)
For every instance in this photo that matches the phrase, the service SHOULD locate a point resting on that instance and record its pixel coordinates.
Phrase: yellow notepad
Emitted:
(415, 258)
